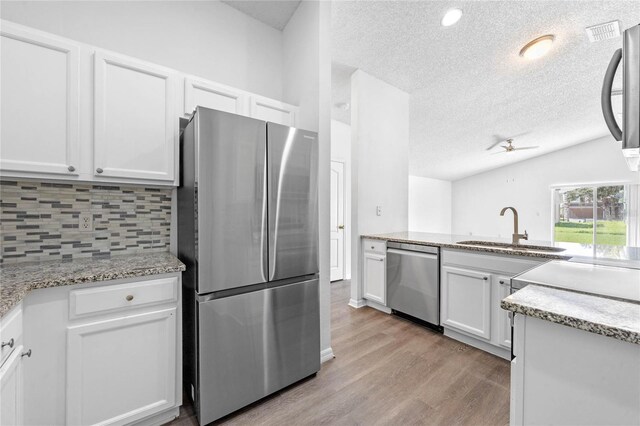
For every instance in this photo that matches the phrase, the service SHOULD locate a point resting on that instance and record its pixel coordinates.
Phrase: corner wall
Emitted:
(379, 163)
(429, 205)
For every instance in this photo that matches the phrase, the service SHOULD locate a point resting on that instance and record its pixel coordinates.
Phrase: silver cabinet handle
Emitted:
(129, 298)
(27, 354)
(99, 170)
(9, 343)
(71, 169)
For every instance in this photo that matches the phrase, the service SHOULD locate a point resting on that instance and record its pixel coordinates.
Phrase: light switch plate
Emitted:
(379, 210)
(85, 222)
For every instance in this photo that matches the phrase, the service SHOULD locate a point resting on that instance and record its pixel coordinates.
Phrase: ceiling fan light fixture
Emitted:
(451, 17)
(538, 47)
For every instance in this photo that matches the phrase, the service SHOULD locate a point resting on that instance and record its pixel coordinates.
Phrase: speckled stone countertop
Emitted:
(596, 314)
(16, 280)
(453, 242)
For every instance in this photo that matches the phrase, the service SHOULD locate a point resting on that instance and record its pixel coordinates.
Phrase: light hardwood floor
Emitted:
(387, 371)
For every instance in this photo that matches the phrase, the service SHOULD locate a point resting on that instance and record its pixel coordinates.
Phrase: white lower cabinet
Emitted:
(501, 288)
(466, 301)
(472, 285)
(108, 354)
(375, 271)
(121, 370)
(11, 385)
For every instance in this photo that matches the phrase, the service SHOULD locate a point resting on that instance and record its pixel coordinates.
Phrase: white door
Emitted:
(274, 111)
(135, 119)
(11, 390)
(39, 107)
(337, 221)
(466, 301)
(212, 95)
(121, 370)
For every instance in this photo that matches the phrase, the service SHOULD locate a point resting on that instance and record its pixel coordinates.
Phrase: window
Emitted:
(596, 215)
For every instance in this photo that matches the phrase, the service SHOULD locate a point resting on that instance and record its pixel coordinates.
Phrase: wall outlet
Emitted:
(85, 222)
(379, 210)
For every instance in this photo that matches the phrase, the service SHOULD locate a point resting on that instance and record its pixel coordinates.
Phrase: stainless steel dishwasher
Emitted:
(413, 281)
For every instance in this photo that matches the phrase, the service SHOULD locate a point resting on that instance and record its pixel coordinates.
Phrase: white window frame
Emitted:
(632, 203)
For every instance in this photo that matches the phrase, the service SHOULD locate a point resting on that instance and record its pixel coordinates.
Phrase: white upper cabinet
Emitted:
(275, 111)
(135, 119)
(39, 91)
(213, 95)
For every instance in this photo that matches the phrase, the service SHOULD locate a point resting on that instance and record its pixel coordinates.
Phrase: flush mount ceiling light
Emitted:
(537, 47)
(451, 17)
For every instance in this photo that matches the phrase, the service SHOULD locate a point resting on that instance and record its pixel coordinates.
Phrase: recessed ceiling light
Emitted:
(537, 47)
(451, 17)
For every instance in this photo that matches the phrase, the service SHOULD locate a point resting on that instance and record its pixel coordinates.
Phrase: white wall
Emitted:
(429, 205)
(341, 151)
(379, 163)
(208, 39)
(478, 199)
(307, 83)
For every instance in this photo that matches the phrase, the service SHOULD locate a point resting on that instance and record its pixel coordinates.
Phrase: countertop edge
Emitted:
(618, 333)
(537, 255)
(20, 291)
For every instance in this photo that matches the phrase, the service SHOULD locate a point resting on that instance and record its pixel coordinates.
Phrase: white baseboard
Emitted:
(476, 343)
(326, 355)
(357, 303)
(378, 306)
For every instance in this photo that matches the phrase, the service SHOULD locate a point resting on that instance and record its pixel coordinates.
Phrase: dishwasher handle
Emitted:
(413, 253)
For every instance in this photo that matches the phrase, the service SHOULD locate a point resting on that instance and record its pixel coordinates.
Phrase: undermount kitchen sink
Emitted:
(525, 247)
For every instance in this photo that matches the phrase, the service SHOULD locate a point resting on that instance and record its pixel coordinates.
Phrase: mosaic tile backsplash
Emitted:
(40, 220)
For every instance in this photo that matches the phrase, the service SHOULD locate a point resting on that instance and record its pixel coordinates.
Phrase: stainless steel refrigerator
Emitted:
(248, 233)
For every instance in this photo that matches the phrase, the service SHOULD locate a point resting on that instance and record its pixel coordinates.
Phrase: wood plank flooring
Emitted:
(387, 371)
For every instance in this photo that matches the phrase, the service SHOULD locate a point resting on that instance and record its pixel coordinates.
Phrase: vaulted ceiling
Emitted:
(467, 82)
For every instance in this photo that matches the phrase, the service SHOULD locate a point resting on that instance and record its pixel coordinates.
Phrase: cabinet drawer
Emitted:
(376, 246)
(91, 301)
(504, 264)
(10, 332)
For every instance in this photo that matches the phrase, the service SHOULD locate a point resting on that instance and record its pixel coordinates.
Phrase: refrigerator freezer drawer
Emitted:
(253, 344)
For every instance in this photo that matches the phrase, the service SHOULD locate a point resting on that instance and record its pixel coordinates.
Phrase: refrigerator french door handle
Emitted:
(264, 240)
(607, 110)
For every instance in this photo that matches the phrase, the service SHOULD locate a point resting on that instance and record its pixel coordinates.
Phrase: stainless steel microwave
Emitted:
(629, 134)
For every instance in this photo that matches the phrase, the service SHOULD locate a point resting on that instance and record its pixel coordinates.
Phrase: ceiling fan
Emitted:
(509, 146)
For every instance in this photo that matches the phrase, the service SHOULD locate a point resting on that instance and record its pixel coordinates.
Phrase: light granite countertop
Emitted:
(16, 280)
(596, 314)
(453, 242)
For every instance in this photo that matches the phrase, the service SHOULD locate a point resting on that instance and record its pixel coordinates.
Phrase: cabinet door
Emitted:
(135, 119)
(39, 107)
(212, 95)
(375, 270)
(121, 370)
(502, 323)
(11, 390)
(466, 301)
(274, 111)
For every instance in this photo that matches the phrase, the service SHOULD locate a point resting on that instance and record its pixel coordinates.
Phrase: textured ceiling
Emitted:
(467, 81)
(275, 13)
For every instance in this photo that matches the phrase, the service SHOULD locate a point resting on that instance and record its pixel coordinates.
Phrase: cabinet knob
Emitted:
(27, 354)
(501, 281)
(99, 170)
(381, 260)
(340, 226)
(485, 278)
(71, 169)
(373, 247)
(9, 343)
(129, 298)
